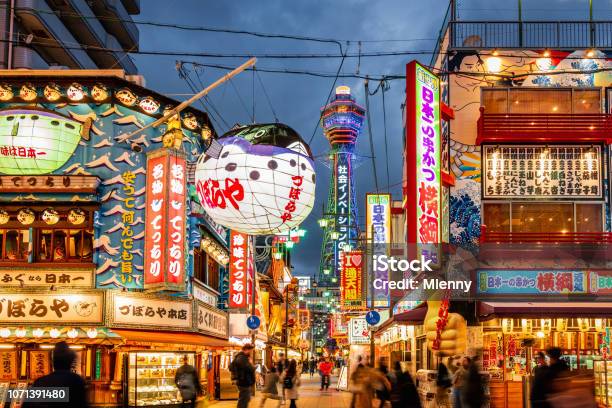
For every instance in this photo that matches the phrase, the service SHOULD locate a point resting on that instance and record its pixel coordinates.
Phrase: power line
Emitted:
(209, 100)
(216, 29)
(267, 96)
(314, 132)
(367, 101)
(382, 87)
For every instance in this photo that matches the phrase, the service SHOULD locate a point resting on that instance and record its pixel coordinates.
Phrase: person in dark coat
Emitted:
(243, 374)
(188, 383)
(403, 392)
(540, 383)
(472, 392)
(62, 376)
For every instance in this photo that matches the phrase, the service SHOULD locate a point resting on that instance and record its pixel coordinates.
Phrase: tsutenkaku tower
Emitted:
(341, 121)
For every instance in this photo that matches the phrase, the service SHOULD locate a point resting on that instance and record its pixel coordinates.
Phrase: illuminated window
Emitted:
(51, 239)
(543, 217)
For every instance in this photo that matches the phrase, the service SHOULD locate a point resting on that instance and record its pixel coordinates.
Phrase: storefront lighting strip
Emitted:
(7, 346)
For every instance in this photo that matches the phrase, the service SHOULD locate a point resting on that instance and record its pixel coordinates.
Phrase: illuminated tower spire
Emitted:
(342, 120)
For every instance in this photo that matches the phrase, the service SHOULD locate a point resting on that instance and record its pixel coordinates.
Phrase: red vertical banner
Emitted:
(238, 269)
(164, 257)
(176, 220)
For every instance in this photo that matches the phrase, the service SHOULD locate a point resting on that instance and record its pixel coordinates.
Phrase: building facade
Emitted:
(103, 241)
(74, 34)
(526, 151)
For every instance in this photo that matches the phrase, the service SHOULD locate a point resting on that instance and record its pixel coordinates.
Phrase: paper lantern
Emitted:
(20, 332)
(190, 121)
(99, 92)
(257, 179)
(34, 141)
(72, 333)
(50, 216)
(126, 97)
(75, 92)
(76, 216)
(600, 325)
(54, 333)
(545, 325)
(26, 216)
(27, 92)
(527, 326)
(507, 326)
(92, 333)
(38, 332)
(149, 105)
(561, 325)
(5, 332)
(583, 324)
(6, 92)
(4, 217)
(52, 92)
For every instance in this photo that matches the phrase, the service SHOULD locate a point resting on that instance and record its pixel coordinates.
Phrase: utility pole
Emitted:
(195, 97)
(370, 274)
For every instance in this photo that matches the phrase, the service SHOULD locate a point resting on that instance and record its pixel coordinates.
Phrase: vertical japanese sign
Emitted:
(422, 179)
(378, 232)
(351, 296)
(238, 270)
(127, 232)
(343, 204)
(165, 221)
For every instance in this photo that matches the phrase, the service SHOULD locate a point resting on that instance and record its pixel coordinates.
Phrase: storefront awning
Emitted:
(412, 317)
(146, 337)
(491, 310)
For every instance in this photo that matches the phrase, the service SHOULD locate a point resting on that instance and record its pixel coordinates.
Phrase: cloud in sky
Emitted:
(297, 99)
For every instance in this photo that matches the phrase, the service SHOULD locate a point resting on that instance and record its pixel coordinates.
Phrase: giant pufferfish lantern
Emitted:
(257, 179)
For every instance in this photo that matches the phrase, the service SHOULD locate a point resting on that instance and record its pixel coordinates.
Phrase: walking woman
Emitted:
(291, 382)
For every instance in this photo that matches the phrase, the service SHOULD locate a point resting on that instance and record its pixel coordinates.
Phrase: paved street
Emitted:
(310, 397)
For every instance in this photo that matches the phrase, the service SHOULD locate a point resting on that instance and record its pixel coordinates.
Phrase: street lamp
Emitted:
(289, 244)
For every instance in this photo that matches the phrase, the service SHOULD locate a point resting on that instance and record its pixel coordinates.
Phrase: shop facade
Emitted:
(530, 161)
(87, 210)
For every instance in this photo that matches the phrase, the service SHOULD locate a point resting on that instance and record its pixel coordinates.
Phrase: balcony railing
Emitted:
(488, 237)
(544, 127)
(561, 35)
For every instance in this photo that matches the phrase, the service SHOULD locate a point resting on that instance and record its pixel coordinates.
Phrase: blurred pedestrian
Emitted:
(290, 379)
(312, 366)
(325, 369)
(472, 392)
(540, 382)
(62, 377)
(384, 394)
(243, 375)
(443, 385)
(570, 392)
(458, 379)
(403, 391)
(188, 383)
(366, 381)
(281, 366)
(270, 390)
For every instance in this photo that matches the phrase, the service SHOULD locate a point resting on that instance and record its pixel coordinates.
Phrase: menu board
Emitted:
(542, 172)
(8, 365)
(39, 364)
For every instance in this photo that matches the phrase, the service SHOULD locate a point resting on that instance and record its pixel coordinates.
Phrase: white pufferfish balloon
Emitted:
(257, 179)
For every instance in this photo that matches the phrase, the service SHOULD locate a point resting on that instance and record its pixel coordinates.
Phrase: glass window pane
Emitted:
(497, 217)
(587, 101)
(44, 245)
(540, 101)
(17, 242)
(588, 218)
(542, 217)
(59, 245)
(495, 100)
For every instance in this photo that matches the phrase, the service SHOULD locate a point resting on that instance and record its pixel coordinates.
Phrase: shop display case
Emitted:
(151, 377)
(603, 378)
